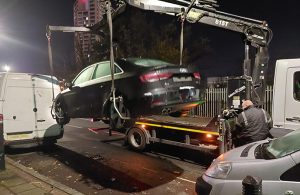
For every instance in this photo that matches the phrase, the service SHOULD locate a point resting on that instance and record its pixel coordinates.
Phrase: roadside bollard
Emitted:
(252, 185)
(2, 156)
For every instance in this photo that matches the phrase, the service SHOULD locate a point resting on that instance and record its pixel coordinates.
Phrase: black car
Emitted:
(143, 87)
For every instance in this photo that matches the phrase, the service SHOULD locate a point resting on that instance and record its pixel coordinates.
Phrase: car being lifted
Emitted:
(143, 87)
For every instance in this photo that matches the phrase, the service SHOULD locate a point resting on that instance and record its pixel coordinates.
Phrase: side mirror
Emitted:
(69, 85)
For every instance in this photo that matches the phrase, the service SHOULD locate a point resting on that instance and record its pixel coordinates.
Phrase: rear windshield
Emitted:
(148, 62)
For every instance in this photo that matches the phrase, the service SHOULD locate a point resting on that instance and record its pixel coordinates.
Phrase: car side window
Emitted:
(84, 76)
(292, 174)
(297, 86)
(103, 69)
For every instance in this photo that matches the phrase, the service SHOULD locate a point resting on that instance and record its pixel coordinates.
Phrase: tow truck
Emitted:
(192, 132)
(205, 134)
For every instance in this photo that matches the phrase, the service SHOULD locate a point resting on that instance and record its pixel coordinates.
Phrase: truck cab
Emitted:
(286, 94)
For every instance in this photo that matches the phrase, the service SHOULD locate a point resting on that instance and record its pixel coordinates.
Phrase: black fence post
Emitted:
(2, 155)
(252, 185)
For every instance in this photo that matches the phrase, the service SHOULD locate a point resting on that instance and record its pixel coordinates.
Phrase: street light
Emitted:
(6, 68)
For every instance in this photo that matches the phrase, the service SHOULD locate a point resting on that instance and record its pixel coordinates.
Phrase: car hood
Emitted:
(243, 153)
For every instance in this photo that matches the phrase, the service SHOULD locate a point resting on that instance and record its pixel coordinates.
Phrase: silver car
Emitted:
(276, 162)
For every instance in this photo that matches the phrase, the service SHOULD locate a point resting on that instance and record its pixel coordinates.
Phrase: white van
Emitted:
(25, 108)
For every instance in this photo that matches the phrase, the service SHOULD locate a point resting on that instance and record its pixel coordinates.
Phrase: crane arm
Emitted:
(256, 32)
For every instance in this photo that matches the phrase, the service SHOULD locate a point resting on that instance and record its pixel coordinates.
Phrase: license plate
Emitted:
(182, 79)
(18, 137)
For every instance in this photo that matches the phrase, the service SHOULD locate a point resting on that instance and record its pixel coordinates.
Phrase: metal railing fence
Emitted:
(216, 101)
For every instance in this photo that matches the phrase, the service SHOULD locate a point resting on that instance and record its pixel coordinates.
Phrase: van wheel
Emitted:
(136, 139)
(115, 122)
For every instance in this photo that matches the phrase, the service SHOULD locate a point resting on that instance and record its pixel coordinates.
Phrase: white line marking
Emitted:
(75, 126)
(86, 119)
(92, 131)
(186, 180)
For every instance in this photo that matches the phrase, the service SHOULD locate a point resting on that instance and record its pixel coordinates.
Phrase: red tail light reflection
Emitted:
(197, 75)
(153, 76)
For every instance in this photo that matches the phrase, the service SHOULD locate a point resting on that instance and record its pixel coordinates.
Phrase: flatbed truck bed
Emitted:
(193, 132)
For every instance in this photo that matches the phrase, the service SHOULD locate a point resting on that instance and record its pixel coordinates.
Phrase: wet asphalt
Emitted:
(92, 162)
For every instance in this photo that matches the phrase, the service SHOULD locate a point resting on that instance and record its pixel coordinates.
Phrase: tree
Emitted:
(145, 34)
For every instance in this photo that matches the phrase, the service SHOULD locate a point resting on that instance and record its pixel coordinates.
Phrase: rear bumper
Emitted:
(164, 101)
(32, 141)
(43, 140)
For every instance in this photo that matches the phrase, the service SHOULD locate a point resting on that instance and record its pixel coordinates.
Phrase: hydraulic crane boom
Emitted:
(256, 32)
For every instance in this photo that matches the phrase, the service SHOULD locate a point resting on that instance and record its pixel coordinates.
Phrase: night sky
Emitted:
(23, 44)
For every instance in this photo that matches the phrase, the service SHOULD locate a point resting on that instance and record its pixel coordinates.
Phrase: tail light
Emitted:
(197, 75)
(153, 76)
(1, 117)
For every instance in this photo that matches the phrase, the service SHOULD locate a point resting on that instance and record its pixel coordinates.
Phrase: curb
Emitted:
(43, 178)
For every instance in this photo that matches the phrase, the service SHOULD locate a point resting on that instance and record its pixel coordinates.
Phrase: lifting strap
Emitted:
(112, 62)
(181, 39)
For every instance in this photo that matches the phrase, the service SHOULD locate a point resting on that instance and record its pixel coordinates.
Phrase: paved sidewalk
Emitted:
(17, 179)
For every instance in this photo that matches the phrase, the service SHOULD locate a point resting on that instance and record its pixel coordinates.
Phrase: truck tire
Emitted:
(136, 139)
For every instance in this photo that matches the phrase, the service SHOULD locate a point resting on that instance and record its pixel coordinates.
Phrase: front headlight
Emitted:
(219, 170)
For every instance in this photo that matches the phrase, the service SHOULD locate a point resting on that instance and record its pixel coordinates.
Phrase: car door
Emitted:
(77, 97)
(292, 100)
(102, 76)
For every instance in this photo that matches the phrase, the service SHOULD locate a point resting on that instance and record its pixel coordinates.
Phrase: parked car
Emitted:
(146, 87)
(276, 162)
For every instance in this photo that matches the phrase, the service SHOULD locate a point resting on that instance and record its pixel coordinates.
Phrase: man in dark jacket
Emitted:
(253, 124)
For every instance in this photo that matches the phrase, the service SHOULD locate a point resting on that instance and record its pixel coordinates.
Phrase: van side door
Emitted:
(18, 108)
(43, 98)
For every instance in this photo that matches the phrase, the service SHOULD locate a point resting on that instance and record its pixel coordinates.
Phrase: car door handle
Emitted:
(293, 119)
(41, 120)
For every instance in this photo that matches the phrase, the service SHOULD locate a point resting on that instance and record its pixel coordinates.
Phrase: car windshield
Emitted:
(148, 62)
(285, 145)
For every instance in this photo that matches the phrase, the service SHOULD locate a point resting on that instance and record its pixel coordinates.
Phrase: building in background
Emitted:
(86, 13)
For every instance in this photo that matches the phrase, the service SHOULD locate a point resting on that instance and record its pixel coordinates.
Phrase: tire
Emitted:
(136, 139)
(61, 117)
(115, 122)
